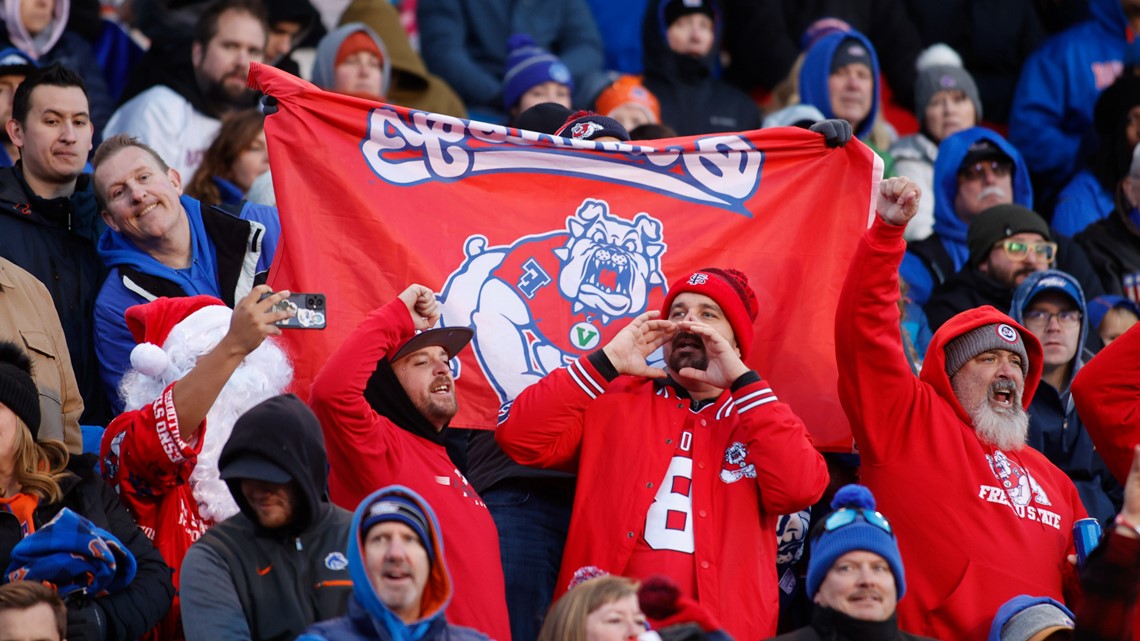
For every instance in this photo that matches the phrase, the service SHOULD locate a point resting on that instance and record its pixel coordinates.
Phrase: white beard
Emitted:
(264, 373)
(1006, 429)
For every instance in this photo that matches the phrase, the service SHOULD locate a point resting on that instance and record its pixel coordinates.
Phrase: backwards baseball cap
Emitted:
(451, 339)
(983, 149)
(588, 125)
(675, 9)
(1027, 618)
(850, 52)
(998, 223)
(401, 509)
(730, 290)
(985, 339)
(854, 525)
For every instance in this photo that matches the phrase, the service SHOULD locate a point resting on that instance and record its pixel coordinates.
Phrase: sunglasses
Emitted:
(976, 171)
(846, 516)
(1018, 251)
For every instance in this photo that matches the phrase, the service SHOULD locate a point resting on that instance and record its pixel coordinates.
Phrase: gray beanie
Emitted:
(984, 339)
(943, 78)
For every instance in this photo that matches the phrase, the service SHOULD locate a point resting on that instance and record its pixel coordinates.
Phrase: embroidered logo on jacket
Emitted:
(734, 468)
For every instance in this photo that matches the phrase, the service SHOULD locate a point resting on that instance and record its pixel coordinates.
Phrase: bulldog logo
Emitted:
(1018, 484)
(584, 130)
(544, 300)
(734, 468)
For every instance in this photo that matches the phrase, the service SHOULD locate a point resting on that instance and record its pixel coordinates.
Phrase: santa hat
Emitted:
(151, 323)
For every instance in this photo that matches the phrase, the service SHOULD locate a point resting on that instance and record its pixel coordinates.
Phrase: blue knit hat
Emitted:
(859, 534)
(401, 509)
(528, 65)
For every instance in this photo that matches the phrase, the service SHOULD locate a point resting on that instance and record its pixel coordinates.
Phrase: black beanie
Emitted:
(678, 8)
(998, 223)
(850, 52)
(17, 389)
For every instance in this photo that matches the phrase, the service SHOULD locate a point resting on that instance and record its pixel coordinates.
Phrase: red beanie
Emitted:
(358, 41)
(729, 288)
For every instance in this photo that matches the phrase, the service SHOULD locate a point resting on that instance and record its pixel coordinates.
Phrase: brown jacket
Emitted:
(28, 318)
(412, 85)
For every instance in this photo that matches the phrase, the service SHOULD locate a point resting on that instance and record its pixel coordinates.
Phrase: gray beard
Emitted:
(1004, 429)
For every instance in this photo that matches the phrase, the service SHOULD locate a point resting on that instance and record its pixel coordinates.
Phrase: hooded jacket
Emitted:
(932, 261)
(1055, 427)
(368, 619)
(816, 71)
(242, 580)
(1113, 246)
(692, 100)
(976, 525)
(412, 85)
(834, 625)
(1051, 120)
(377, 437)
(324, 64)
(231, 254)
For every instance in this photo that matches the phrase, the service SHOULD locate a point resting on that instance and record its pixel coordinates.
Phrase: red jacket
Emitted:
(147, 462)
(619, 435)
(367, 451)
(1107, 393)
(976, 526)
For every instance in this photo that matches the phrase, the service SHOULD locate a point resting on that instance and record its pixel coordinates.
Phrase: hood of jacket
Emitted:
(324, 63)
(816, 71)
(1021, 300)
(934, 367)
(38, 45)
(950, 228)
(662, 61)
(283, 431)
(383, 18)
(1018, 604)
(437, 590)
(1109, 15)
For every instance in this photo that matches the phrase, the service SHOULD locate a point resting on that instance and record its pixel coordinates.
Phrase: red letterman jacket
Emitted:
(619, 435)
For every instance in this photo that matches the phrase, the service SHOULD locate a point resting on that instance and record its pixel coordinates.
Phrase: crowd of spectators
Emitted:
(158, 482)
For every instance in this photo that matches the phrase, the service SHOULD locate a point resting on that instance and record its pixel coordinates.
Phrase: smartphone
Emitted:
(308, 311)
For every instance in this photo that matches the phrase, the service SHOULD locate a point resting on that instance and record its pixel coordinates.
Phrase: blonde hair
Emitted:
(39, 465)
(566, 620)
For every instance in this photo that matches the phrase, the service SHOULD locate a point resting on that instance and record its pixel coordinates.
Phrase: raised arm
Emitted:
(1107, 394)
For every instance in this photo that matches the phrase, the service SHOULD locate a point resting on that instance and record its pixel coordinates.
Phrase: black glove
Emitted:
(268, 105)
(86, 622)
(836, 132)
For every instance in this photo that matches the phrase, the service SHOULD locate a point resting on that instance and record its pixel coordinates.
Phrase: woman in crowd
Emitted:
(599, 609)
(230, 165)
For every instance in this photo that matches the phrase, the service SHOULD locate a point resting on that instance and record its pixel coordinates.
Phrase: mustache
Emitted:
(993, 190)
(686, 339)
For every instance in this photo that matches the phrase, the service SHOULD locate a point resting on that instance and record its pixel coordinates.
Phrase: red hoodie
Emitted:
(976, 525)
(1106, 391)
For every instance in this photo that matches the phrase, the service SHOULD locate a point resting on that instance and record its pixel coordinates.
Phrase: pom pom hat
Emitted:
(151, 323)
(529, 65)
(860, 533)
(729, 289)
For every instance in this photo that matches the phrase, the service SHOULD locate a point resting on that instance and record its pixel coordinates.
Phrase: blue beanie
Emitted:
(401, 509)
(528, 65)
(859, 535)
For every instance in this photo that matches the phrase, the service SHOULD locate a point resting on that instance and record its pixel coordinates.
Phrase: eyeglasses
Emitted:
(1018, 251)
(845, 516)
(978, 170)
(1038, 319)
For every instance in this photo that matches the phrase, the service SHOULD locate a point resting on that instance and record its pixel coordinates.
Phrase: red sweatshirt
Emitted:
(367, 452)
(976, 525)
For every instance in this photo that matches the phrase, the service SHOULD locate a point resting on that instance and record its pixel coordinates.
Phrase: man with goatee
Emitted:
(682, 471)
(983, 517)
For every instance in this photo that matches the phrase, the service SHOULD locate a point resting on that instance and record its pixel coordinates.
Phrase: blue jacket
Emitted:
(1051, 120)
(229, 255)
(816, 70)
(619, 25)
(1055, 428)
(1081, 203)
(949, 238)
(368, 619)
(465, 43)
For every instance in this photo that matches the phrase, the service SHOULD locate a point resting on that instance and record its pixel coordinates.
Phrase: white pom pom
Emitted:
(938, 55)
(149, 359)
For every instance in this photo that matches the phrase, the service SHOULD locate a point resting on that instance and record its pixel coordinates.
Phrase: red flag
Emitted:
(547, 247)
